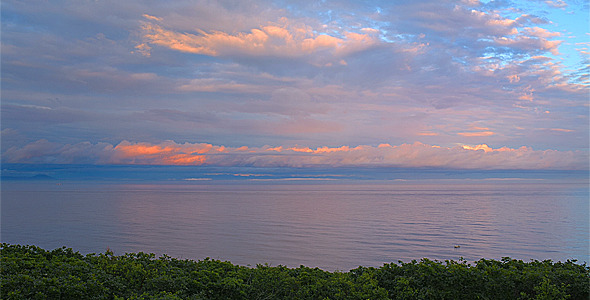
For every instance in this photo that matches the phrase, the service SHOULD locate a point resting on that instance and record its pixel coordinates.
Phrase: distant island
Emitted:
(38, 177)
(30, 272)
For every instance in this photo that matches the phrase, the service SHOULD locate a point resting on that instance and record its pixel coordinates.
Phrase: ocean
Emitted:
(333, 225)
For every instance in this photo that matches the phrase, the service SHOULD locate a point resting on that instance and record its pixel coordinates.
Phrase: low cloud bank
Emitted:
(405, 155)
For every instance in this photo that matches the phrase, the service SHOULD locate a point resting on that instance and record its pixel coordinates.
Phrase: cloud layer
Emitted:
(93, 75)
(385, 155)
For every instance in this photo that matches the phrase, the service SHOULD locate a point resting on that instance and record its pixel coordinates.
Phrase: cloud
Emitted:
(540, 32)
(557, 4)
(529, 44)
(312, 73)
(428, 133)
(152, 18)
(562, 130)
(42, 114)
(43, 151)
(282, 40)
(167, 153)
(468, 33)
(474, 134)
(217, 85)
(405, 155)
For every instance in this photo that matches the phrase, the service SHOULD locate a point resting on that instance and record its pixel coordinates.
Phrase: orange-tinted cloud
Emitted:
(153, 18)
(487, 148)
(405, 155)
(286, 40)
(476, 134)
(168, 153)
(428, 133)
(562, 130)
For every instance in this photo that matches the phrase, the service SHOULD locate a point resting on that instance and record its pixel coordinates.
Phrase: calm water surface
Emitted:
(334, 227)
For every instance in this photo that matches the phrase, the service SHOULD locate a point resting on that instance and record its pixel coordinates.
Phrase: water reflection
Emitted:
(332, 226)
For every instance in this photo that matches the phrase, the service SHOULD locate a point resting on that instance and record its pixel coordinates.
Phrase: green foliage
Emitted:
(29, 272)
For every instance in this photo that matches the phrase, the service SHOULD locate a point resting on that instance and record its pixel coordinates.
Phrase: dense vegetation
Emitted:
(29, 272)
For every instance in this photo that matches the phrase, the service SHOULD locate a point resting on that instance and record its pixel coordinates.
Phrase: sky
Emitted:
(408, 84)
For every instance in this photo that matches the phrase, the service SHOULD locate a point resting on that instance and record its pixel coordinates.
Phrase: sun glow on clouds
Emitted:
(284, 39)
(168, 153)
(472, 134)
(405, 155)
(301, 83)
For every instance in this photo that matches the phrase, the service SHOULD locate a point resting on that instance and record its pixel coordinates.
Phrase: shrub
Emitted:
(29, 272)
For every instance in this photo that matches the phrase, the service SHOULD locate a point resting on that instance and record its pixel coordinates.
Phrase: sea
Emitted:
(326, 222)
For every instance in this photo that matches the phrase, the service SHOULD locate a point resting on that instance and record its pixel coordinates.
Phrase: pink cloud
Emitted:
(153, 18)
(475, 134)
(428, 134)
(529, 43)
(216, 85)
(562, 130)
(405, 155)
(284, 40)
(541, 32)
(557, 4)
